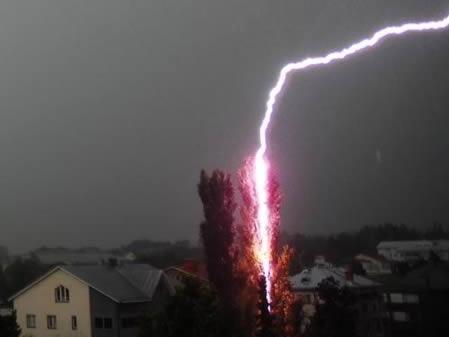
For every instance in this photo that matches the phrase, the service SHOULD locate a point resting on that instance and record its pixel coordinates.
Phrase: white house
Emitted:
(90, 301)
(406, 251)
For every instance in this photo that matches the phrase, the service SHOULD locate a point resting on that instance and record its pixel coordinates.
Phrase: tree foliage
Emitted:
(230, 251)
(21, 272)
(264, 319)
(9, 326)
(340, 248)
(218, 233)
(336, 316)
(194, 311)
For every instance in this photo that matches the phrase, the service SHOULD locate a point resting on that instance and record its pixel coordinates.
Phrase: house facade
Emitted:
(90, 301)
(410, 251)
(416, 302)
(369, 306)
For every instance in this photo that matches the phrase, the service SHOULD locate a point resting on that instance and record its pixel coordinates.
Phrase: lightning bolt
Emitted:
(261, 164)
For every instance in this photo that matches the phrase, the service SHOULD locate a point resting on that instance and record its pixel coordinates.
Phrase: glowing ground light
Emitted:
(261, 164)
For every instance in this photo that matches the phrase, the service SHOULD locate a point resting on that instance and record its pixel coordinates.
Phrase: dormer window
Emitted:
(62, 295)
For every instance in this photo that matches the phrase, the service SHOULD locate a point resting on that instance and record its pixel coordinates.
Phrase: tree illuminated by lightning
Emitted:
(263, 248)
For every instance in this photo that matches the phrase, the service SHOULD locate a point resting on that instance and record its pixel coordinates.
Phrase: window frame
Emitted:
(106, 323)
(108, 326)
(98, 323)
(49, 320)
(401, 316)
(397, 298)
(130, 322)
(31, 318)
(62, 294)
(411, 298)
(74, 321)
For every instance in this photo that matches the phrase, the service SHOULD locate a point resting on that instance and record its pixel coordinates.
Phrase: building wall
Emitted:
(418, 313)
(369, 307)
(132, 311)
(103, 307)
(160, 299)
(40, 301)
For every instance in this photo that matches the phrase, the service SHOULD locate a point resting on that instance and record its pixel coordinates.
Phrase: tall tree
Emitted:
(264, 325)
(247, 266)
(281, 256)
(218, 232)
(282, 318)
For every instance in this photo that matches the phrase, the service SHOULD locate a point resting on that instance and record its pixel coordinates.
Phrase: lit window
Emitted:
(397, 298)
(411, 298)
(31, 321)
(62, 295)
(51, 322)
(74, 323)
(400, 316)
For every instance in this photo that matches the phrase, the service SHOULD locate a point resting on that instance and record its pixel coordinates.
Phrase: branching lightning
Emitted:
(261, 164)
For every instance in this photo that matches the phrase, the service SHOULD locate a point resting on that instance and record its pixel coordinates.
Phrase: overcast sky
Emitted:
(110, 108)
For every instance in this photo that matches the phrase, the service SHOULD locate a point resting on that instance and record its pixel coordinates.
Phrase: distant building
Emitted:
(410, 251)
(369, 306)
(373, 266)
(90, 301)
(190, 269)
(417, 302)
(86, 256)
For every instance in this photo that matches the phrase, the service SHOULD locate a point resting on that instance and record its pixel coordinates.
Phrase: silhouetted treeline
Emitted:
(163, 254)
(342, 247)
(19, 274)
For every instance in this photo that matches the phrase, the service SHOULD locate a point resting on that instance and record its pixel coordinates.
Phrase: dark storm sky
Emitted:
(110, 108)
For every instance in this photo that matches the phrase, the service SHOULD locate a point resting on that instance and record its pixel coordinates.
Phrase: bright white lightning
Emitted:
(261, 163)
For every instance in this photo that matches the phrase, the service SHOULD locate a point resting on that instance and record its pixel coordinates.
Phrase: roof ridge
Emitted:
(118, 271)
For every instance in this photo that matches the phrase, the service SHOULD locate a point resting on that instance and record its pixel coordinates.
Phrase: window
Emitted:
(108, 323)
(385, 297)
(98, 323)
(103, 323)
(51, 322)
(411, 298)
(404, 298)
(74, 323)
(31, 321)
(62, 295)
(397, 298)
(130, 322)
(400, 316)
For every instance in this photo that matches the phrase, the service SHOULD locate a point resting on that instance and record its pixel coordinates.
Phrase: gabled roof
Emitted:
(309, 279)
(378, 259)
(124, 284)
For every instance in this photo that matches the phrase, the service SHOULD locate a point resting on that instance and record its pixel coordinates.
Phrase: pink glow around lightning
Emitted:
(261, 164)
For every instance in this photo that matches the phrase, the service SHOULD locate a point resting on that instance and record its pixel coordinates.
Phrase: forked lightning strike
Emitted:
(261, 163)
